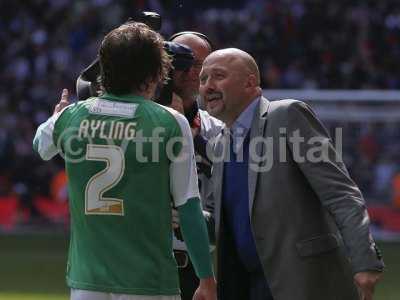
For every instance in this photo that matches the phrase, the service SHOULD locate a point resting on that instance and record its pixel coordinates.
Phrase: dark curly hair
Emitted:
(131, 56)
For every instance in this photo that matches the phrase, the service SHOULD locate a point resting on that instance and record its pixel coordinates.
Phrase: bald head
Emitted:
(186, 83)
(229, 82)
(237, 58)
(190, 39)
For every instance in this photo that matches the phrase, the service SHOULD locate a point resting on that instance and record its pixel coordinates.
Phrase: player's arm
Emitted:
(194, 231)
(43, 142)
(185, 192)
(210, 223)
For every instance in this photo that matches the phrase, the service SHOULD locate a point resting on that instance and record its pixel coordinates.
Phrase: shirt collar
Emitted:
(123, 98)
(243, 123)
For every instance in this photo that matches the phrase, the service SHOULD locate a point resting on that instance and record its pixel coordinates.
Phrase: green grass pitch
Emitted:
(32, 268)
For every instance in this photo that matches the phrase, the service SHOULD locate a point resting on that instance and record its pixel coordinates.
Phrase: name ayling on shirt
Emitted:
(102, 129)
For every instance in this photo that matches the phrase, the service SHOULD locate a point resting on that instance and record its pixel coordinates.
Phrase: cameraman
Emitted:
(204, 127)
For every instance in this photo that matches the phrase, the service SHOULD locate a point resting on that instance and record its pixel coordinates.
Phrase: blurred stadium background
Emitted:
(343, 57)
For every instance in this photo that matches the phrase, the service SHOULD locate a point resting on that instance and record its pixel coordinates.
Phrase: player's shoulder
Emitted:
(72, 110)
(77, 106)
(173, 115)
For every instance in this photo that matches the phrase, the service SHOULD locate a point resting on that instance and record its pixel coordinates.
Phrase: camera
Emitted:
(87, 84)
(182, 59)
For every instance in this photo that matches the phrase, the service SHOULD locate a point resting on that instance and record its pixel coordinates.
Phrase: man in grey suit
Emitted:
(290, 222)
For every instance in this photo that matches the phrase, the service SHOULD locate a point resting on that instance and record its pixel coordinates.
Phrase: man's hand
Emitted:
(63, 102)
(366, 281)
(207, 290)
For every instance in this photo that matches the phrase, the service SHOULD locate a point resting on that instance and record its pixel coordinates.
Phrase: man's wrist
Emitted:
(207, 281)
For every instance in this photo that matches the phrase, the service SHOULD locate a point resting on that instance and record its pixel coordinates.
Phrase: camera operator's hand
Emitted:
(63, 101)
(177, 103)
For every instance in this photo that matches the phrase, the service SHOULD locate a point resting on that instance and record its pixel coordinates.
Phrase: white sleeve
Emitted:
(182, 171)
(43, 140)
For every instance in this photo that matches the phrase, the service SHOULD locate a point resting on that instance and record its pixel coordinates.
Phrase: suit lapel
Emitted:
(221, 151)
(257, 150)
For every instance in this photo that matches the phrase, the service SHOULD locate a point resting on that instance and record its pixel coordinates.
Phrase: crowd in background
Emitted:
(298, 44)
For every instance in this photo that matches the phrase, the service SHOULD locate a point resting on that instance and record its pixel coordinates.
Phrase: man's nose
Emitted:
(205, 88)
(208, 85)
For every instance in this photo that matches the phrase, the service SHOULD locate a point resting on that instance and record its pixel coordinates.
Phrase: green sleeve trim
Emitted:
(194, 231)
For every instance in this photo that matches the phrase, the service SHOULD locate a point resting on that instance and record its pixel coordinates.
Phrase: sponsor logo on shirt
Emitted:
(113, 108)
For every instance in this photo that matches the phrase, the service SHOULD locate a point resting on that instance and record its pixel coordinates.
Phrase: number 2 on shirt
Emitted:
(101, 182)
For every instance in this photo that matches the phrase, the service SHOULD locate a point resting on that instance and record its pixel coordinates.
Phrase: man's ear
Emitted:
(251, 81)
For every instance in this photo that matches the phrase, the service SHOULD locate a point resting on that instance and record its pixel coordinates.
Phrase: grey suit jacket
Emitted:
(301, 211)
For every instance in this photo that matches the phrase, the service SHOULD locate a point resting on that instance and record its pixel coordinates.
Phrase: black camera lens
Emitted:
(151, 19)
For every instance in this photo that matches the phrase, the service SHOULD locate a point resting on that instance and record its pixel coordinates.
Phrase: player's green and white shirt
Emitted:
(127, 159)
